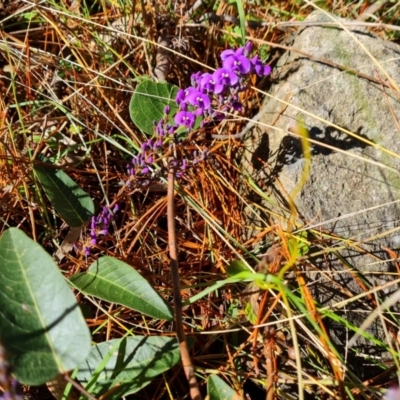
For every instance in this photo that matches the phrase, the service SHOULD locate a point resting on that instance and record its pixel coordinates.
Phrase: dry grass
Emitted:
(68, 72)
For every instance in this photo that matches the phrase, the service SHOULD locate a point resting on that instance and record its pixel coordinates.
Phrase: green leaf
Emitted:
(117, 282)
(72, 203)
(41, 325)
(242, 19)
(148, 102)
(131, 364)
(237, 266)
(303, 243)
(250, 314)
(219, 390)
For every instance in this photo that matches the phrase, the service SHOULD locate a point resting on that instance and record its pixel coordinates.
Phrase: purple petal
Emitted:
(200, 100)
(225, 77)
(185, 118)
(247, 49)
(392, 394)
(144, 146)
(227, 53)
(267, 70)
(207, 82)
(237, 63)
(194, 79)
(180, 96)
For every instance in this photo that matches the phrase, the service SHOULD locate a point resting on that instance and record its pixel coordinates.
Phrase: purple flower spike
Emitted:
(237, 63)
(185, 118)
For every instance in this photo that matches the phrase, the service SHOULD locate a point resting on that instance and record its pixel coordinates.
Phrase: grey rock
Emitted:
(347, 193)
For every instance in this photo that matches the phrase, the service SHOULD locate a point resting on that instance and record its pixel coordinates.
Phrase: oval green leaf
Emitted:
(117, 282)
(124, 366)
(41, 325)
(72, 203)
(148, 102)
(219, 390)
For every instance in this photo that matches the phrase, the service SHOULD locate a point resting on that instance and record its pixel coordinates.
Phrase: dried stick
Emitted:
(173, 253)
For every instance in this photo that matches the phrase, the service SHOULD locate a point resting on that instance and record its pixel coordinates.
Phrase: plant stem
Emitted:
(173, 252)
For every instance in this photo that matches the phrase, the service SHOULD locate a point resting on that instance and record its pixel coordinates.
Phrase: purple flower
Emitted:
(208, 83)
(236, 105)
(185, 118)
(172, 129)
(194, 79)
(237, 63)
(247, 49)
(158, 144)
(144, 146)
(99, 226)
(160, 128)
(199, 100)
(241, 51)
(259, 68)
(225, 77)
(393, 393)
(12, 388)
(228, 53)
(182, 95)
